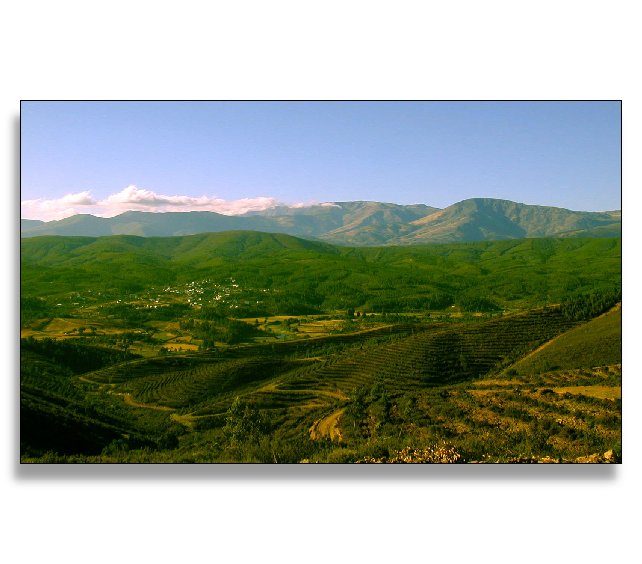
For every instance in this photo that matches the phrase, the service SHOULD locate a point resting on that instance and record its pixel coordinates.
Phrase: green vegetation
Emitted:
(256, 275)
(251, 347)
(596, 343)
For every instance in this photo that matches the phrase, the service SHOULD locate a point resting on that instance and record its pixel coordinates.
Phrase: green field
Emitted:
(250, 347)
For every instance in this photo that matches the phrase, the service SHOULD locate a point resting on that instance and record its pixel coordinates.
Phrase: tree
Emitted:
(242, 423)
(357, 408)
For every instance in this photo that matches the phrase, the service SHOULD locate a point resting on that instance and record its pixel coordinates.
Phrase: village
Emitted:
(194, 316)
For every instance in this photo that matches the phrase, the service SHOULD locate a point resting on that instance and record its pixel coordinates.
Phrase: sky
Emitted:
(106, 158)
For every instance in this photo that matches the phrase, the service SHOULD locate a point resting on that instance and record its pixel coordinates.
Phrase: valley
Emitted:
(261, 347)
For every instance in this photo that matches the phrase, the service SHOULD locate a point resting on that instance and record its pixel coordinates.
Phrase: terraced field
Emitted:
(477, 384)
(437, 355)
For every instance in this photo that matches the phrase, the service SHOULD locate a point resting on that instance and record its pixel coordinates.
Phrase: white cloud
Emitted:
(313, 203)
(69, 204)
(136, 199)
(79, 199)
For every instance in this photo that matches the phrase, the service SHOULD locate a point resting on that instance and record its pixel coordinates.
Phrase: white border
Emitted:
(344, 50)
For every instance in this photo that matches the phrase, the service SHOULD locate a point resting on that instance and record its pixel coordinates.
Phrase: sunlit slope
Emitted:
(432, 356)
(302, 382)
(371, 392)
(439, 356)
(480, 219)
(595, 343)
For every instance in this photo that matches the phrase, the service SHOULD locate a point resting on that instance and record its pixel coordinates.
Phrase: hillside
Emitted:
(596, 343)
(27, 224)
(488, 219)
(356, 223)
(275, 271)
(424, 388)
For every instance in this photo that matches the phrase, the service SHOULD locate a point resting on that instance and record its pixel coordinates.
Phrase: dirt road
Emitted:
(328, 426)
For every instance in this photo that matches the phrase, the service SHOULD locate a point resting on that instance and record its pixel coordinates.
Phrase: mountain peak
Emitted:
(356, 222)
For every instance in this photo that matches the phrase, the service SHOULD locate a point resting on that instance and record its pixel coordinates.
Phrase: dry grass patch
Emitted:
(181, 346)
(496, 383)
(599, 392)
(486, 417)
(163, 336)
(458, 427)
(164, 325)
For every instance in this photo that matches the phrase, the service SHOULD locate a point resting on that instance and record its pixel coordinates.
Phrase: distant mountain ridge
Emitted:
(356, 223)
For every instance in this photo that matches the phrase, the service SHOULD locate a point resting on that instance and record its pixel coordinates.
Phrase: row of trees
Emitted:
(77, 356)
(135, 316)
(586, 306)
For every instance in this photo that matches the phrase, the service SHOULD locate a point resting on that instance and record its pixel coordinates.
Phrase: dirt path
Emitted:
(328, 426)
(129, 400)
(85, 379)
(185, 420)
(274, 387)
(538, 349)
(338, 394)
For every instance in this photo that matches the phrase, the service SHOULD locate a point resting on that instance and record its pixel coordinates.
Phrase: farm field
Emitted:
(273, 349)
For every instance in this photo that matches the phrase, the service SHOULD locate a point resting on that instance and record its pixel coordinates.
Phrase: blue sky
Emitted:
(107, 157)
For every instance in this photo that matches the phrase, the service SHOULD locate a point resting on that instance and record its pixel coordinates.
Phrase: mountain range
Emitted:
(356, 223)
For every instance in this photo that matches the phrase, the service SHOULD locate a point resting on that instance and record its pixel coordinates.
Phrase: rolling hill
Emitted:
(356, 223)
(279, 271)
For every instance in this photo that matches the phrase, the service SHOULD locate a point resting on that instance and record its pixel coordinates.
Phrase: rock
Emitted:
(590, 459)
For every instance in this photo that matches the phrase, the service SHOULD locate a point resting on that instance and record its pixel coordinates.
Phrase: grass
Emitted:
(596, 343)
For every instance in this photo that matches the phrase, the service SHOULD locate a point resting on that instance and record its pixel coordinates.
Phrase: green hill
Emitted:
(595, 343)
(274, 269)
